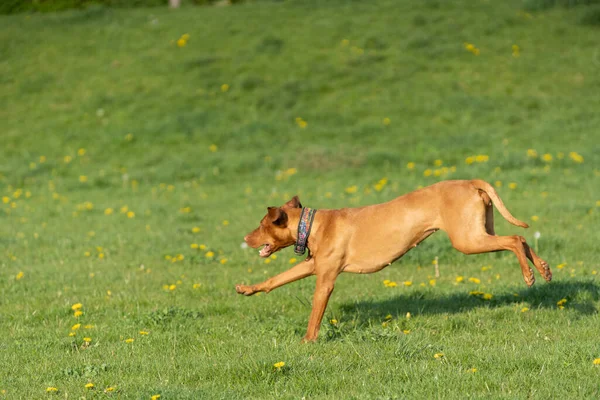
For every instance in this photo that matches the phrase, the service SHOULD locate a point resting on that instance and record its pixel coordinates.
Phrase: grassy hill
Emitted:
(139, 147)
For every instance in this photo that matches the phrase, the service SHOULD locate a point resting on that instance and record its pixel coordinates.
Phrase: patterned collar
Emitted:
(304, 226)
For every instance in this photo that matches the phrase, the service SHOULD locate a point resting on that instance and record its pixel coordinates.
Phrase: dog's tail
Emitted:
(489, 189)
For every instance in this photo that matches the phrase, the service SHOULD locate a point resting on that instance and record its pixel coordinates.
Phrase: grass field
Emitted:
(131, 167)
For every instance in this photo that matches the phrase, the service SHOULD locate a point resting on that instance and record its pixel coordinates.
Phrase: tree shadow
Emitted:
(581, 296)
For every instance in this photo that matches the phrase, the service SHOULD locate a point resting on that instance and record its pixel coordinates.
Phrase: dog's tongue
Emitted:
(265, 251)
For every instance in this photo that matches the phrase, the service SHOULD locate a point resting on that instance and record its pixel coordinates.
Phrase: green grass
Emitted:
(113, 82)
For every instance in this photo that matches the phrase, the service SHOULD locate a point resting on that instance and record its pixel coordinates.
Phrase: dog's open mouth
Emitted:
(265, 251)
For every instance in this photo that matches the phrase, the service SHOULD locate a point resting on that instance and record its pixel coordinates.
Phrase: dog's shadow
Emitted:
(581, 296)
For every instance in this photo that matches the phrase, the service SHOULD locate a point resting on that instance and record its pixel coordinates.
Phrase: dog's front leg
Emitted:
(298, 271)
(323, 290)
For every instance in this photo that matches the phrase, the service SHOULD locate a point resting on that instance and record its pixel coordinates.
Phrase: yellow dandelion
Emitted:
(78, 314)
(210, 254)
(81, 152)
(224, 87)
(407, 283)
(144, 333)
(460, 279)
(408, 315)
(71, 334)
(406, 331)
(351, 189)
(487, 296)
(292, 260)
(524, 309)
(475, 280)
(20, 275)
(67, 159)
(387, 121)
(223, 261)
(109, 389)
(51, 389)
(75, 327)
(172, 287)
(196, 286)
(213, 148)
(427, 172)
(410, 165)
(333, 321)
(279, 365)
(432, 282)
(225, 222)
(301, 122)
(470, 160)
(202, 247)
(512, 185)
(194, 245)
(195, 229)
(101, 256)
(87, 339)
(181, 42)
(547, 157)
(76, 306)
(532, 153)
(130, 340)
(596, 361)
(155, 397)
(89, 385)
(472, 370)
(130, 214)
(535, 218)
(578, 158)
(561, 302)
(438, 355)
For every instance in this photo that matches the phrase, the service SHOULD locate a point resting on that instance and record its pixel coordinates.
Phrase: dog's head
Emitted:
(273, 232)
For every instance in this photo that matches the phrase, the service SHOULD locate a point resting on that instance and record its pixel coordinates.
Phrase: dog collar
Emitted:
(306, 220)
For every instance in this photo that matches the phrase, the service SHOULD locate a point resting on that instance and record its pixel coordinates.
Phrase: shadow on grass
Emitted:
(580, 294)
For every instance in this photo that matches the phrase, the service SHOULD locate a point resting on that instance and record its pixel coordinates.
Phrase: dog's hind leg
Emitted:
(489, 213)
(486, 243)
(541, 265)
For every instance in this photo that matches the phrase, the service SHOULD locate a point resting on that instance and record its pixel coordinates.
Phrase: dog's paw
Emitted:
(245, 290)
(547, 273)
(529, 278)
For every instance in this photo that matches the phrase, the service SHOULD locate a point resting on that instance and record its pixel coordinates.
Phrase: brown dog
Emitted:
(364, 240)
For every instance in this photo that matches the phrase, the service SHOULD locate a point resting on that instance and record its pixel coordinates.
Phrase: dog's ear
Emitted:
(293, 203)
(278, 216)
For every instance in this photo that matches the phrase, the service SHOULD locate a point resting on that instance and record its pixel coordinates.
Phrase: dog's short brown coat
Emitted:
(367, 239)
